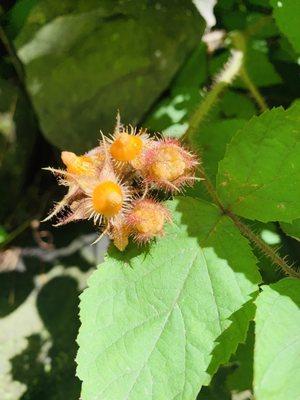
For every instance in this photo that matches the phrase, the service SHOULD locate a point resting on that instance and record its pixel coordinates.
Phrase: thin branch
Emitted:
(263, 247)
(222, 81)
(261, 102)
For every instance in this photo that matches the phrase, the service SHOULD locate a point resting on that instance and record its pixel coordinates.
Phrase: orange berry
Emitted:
(77, 165)
(126, 147)
(107, 198)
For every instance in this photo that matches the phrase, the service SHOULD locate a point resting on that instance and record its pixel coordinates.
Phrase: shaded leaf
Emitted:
(286, 14)
(210, 143)
(18, 133)
(259, 178)
(84, 61)
(142, 312)
(292, 229)
(241, 379)
(277, 343)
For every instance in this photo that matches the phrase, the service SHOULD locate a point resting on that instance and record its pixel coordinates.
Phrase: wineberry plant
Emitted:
(162, 313)
(158, 321)
(161, 317)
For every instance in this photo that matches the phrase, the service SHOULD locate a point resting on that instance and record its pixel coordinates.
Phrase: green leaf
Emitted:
(286, 14)
(241, 379)
(292, 229)
(18, 131)
(193, 73)
(259, 178)
(84, 61)
(277, 343)
(151, 320)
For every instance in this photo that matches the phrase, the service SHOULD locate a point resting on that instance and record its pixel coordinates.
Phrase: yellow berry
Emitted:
(77, 165)
(168, 164)
(107, 198)
(126, 147)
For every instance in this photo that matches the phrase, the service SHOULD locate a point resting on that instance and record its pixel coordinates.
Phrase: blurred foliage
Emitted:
(85, 60)
(18, 132)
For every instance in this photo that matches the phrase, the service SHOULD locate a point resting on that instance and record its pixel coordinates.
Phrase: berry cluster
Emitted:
(113, 184)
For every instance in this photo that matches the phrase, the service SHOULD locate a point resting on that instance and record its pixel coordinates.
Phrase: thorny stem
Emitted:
(203, 109)
(222, 80)
(210, 187)
(198, 116)
(262, 246)
(246, 231)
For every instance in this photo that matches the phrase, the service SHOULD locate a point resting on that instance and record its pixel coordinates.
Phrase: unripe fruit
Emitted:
(168, 166)
(126, 147)
(107, 199)
(147, 219)
(77, 165)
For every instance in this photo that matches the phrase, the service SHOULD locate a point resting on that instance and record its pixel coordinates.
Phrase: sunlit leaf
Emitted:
(277, 342)
(259, 177)
(152, 319)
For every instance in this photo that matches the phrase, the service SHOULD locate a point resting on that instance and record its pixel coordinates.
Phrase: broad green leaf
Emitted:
(85, 60)
(151, 319)
(277, 342)
(286, 14)
(259, 177)
(292, 229)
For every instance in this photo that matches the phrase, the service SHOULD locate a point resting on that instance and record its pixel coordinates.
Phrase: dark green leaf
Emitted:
(84, 61)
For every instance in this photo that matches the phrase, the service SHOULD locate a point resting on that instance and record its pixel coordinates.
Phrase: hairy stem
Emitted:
(210, 187)
(253, 90)
(222, 81)
(263, 247)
